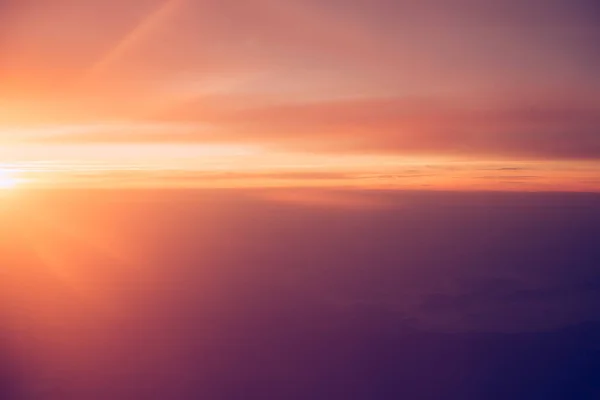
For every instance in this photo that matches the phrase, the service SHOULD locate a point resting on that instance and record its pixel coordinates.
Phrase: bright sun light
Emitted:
(8, 179)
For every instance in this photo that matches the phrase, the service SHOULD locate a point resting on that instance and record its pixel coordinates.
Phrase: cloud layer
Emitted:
(484, 80)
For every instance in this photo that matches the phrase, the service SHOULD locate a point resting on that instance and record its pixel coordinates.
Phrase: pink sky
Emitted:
(369, 93)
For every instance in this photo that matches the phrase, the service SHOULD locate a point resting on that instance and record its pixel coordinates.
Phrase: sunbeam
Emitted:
(65, 261)
(148, 25)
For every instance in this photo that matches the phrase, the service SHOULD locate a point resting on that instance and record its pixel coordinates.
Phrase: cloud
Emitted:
(98, 176)
(538, 128)
(508, 80)
(510, 177)
(496, 291)
(328, 199)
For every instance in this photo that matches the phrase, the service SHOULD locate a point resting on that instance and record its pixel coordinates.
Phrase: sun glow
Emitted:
(8, 179)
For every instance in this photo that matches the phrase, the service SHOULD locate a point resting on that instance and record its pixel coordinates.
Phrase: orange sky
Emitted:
(452, 94)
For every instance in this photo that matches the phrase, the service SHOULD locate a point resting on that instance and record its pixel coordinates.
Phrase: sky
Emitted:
(335, 293)
(429, 94)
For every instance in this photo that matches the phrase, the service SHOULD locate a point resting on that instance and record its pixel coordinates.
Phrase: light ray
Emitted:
(152, 22)
(58, 249)
(50, 263)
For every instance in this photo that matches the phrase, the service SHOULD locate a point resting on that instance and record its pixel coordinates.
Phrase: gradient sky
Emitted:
(451, 94)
